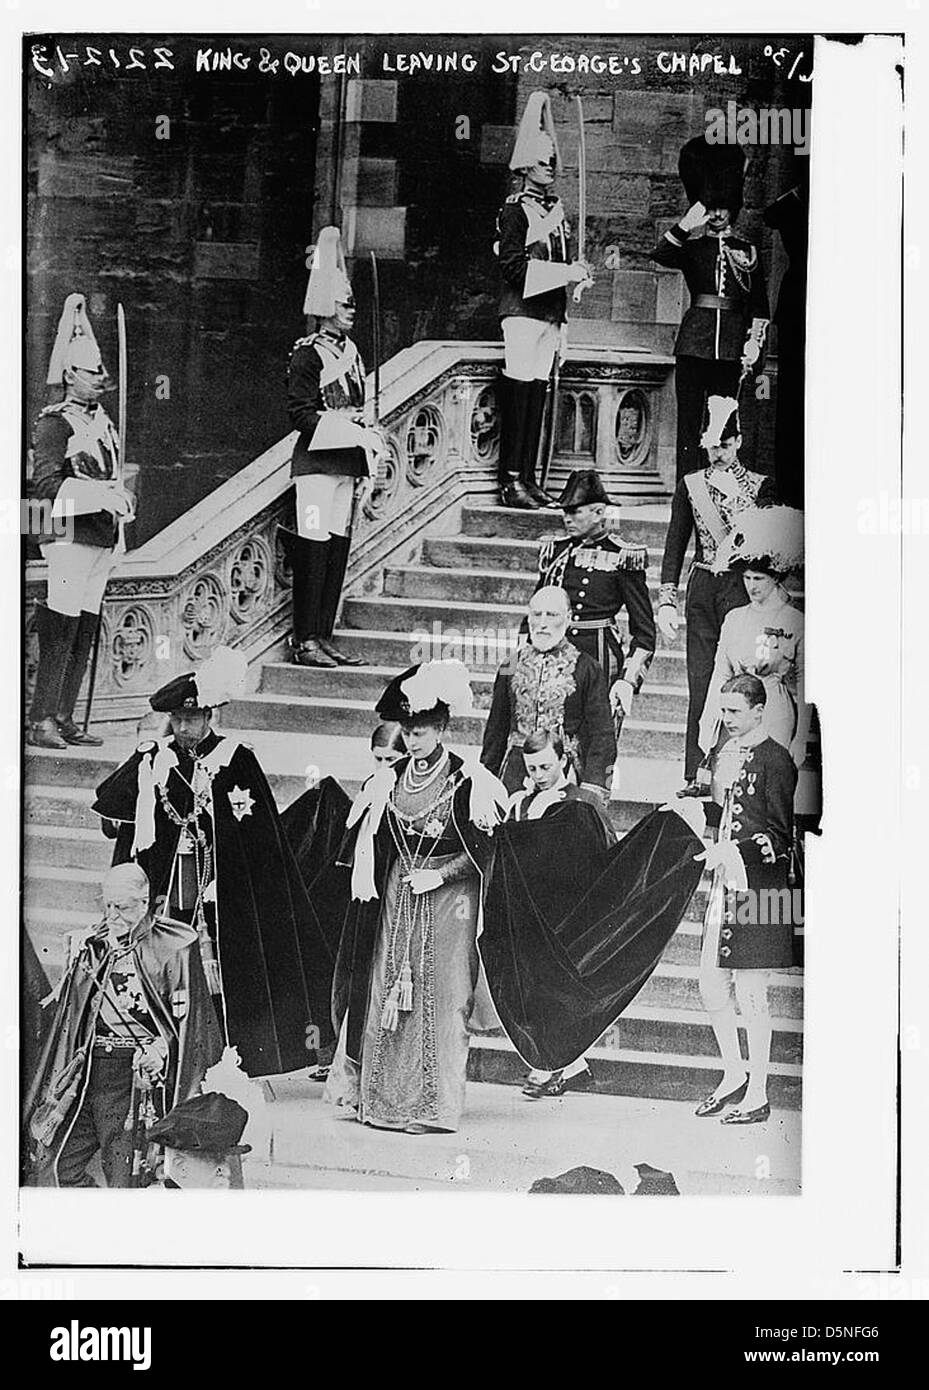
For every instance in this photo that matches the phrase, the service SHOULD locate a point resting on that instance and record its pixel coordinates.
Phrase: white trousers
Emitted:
(77, 576)
(324, 505)
(529, 347)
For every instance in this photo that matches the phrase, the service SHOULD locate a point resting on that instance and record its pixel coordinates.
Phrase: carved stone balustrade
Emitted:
(218, 573)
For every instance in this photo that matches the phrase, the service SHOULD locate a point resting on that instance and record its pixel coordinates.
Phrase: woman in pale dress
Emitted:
(419, 838)
(764, 638)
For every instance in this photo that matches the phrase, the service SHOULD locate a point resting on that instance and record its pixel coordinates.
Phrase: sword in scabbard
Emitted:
(120, 474)
(581, 193)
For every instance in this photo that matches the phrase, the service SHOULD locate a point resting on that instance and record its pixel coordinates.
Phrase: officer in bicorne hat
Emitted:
(602, 575)
(76, 473)
(334, 458)
(722, 334)
(706, 505)
(536, 267)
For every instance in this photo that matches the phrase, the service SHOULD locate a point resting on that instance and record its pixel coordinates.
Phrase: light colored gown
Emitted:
(763, 640)
(414, 1059)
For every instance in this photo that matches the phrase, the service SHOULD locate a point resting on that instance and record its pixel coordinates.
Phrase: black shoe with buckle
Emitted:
(713, 1103)
(339, 657)
(311, 653)
(45, 734)
(541, 497)
(73, 734)
(748, 1117)
(516, 495)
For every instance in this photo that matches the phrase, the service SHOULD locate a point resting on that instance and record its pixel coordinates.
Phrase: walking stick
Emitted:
(120, 457)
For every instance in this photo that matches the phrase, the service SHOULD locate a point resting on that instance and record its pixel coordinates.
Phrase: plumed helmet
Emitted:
(536, 130)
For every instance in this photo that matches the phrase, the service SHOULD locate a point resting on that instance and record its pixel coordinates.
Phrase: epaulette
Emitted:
(308, 341)
(515, 197)
(631, 556)
(147, 746)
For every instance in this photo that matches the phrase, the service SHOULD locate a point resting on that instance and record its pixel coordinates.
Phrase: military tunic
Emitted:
(531, 228)
(706, 506)
(326, 374)
(601, 575)
(727, 291)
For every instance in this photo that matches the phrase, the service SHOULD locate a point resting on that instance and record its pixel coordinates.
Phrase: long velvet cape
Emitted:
(275, 957)
(573, 926)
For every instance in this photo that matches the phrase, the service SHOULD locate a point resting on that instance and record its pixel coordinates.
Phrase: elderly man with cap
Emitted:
(535, 267)
(335, 456)
(706, 505)
(76, 472)
(195, 810)
(552, 686)
(601, 575)
(132, 1027)
(723, 332)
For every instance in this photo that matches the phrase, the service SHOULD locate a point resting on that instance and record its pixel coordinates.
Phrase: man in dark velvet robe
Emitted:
(195, 810)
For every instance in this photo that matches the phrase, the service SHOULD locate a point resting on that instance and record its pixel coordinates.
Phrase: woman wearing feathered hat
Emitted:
(535, 267)
(419, 838)
(765, 637)
(335, 455)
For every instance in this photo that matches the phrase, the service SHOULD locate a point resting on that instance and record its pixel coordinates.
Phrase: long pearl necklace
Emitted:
(414, 783)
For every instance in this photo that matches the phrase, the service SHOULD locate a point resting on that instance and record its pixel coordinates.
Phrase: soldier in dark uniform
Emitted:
(722, 334)
(535, 267)
(76, 474)
(334, 459)
(602, 574)
(554, 686)
(706, 505)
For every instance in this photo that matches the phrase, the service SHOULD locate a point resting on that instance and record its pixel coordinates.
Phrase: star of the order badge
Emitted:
(241, 802)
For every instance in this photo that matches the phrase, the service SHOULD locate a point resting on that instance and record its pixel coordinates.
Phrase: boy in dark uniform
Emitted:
(706, 505)
(601, 574)
(334, 458)
(535, 267)
(76, 472)
(722, 334)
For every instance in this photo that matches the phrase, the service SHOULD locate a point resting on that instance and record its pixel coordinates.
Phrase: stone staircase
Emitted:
(312, 722)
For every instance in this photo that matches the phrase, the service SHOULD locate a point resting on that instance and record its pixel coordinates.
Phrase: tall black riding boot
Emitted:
(56, 632)
(308, 563)
(71, 683)
(514, 399)
(332, 589)
(535, 414)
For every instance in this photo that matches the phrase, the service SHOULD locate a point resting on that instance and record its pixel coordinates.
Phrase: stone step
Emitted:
(71, 768)
(495, 587)
(659, 1075)
(395, 651)
(366, 683)
(66, 847)
(689, 1032)
(61, 806)
(310, 717)
(460, 622)
(495, 552)
(504, 523)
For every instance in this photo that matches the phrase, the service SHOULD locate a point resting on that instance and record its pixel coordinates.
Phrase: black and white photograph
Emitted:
(437, 701)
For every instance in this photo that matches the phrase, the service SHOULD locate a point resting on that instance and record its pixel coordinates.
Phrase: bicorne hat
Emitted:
(582, 488)
(431, 689)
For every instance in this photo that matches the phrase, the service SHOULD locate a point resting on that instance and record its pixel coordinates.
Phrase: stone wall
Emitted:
(200, 235)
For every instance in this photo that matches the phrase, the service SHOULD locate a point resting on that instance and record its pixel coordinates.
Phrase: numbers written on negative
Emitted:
(53, 60)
